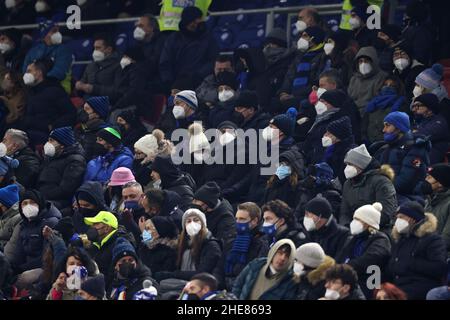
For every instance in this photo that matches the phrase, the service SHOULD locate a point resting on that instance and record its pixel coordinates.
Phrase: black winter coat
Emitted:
(62, 175)
(134, 284)
(103, 255)
(335, 154)
(331, 237)
(29, 167)
(87, 137)
(418, 262)
(222, 224)
(159, 255)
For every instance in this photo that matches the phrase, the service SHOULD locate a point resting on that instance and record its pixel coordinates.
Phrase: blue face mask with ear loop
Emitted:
(147, 236)
(283, 171)
(270, 229)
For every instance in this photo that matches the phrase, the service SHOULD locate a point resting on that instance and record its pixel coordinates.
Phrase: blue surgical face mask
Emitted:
(283, 171)
(389, 137)
(131, 205)
(269, 228)
(147, 236)
(243, 227)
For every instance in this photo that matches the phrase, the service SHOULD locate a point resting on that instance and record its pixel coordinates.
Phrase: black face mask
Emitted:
(426, 188)
(82, 116)
(86, 212)
(237, 118)
(122, 128)
(380, 44)
(126, 270)
(92, 235)
(196, 206)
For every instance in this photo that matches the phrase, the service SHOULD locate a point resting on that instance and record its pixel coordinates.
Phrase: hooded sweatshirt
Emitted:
(363, 88)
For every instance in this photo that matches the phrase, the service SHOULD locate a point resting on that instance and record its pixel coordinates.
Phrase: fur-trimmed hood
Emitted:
(386, 170)
(171, 243)
(421, 229)
(318, 274)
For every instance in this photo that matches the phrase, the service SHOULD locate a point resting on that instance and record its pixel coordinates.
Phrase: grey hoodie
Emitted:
(363, 88)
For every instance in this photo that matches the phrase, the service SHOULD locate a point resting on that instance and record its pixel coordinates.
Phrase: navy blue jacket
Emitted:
(436, 128)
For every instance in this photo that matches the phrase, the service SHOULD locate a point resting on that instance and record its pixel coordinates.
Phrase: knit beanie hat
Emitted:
(358, 157)
(334, 97)
(284, 123)
(277, 36)
(122, 248)
(189, 97)
(429, 100)
(319, 206)
(316, 33)
(226, 78)
(44, 27)
(189, 15)
(193, 212)
(400, 120)
(129, 116)
(227, 125)
(148, 144)
(9, 195)
(110, 135)
(310, 255)
(164, 227)
(64, 136)
(247, 99)
(441, 173)
(322, 170)
(100, 105)
(431, 78)
(370, 214)
(340, 128)
(209, 193)
(412, 209)
(95, 286)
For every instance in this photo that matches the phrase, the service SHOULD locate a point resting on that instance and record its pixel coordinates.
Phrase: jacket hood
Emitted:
(166, 169)
(277, 245)
(421, 229)
(318, 274)
(95, 189)
(295, 160)
(171, 200)
(371, 53)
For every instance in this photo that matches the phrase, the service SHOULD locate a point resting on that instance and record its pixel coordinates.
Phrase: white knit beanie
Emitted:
(370, 214)
(148, 144)
(193, 212)
(189, 97)
(310, 254)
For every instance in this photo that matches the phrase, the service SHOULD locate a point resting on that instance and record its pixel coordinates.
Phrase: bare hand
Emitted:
(142, 224)
(47, 232)
(88, 88)
(79, 85)
(60, 282)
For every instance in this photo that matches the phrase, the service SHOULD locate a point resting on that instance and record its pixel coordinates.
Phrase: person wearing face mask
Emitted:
(115, 155)
(199, 149)
(198, 250)
(429, 122)
(48, 105)
(168, 177)
(89, 201)
(435, 189)
(162, 203)
(368, 246)
(145, 151)
(389, 99)
(341, 283)
(367, 182)
(92, 117)
(337, 141)
(9, 212)
(407, 154)
(387, 39)
(419, 257)
(65, 156)
(328, 109)
(222, 110)
(367, 78)
(113, 193)
(151, 41)
(218, 212)
(25, 248)
(280, 223)
(129, 272)
(249, 244)
(185, 109)
(407, 68)
(131, 128)
(269, 278)
(303, 71)
(192, 50)
(13, 97)
(101, 75)
(51, 47)
(361, 34)
(158, 248)
(247, 114)
(430, 81)
(204, 286)
(322, 226)
(12, 53)
(65, 287)
(278, 57)
(285, 183)
(310, 266)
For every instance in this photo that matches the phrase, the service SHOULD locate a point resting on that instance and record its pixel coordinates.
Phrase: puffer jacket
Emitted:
(8, 221)
(439, 205)
(311, 286)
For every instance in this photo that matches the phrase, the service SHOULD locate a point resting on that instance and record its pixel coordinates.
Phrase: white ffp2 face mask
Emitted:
(178, 112)
(125, 62)
(225, 95)
(356, 227)
(139, 34)
(401, 64)
(417, 91)
(30, 211)
(40, 6)
(355, 23)
(350, 172)
(332, 294)
(4, 47)
(3, 150)
(193, 228)
(365, 68)
(401, 225)
(300, 25)
(49, 149)
(328, 48)
(309, 224)
(56, 38)
(326, 142)
(321, 108)
(302, 45)
(226, 138)
(29, 79)
(299, 269)
(98, 55)
(268, 134)
(320, 92)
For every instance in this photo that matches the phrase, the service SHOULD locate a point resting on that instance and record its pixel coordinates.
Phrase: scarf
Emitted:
(238, 254)
(387, 98)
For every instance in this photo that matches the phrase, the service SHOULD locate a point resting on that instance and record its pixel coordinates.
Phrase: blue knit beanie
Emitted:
(400, 120)
(285, 122)
(44, 27)
(64, 136)
(100, 105)
(9, 195)
(431, 78)
(122, 248)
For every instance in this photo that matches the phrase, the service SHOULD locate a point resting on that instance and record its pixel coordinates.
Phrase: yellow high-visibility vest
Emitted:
(347, 9)
(171, 10)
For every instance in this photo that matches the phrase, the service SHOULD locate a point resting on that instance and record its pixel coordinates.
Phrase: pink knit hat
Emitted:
(121, 176)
